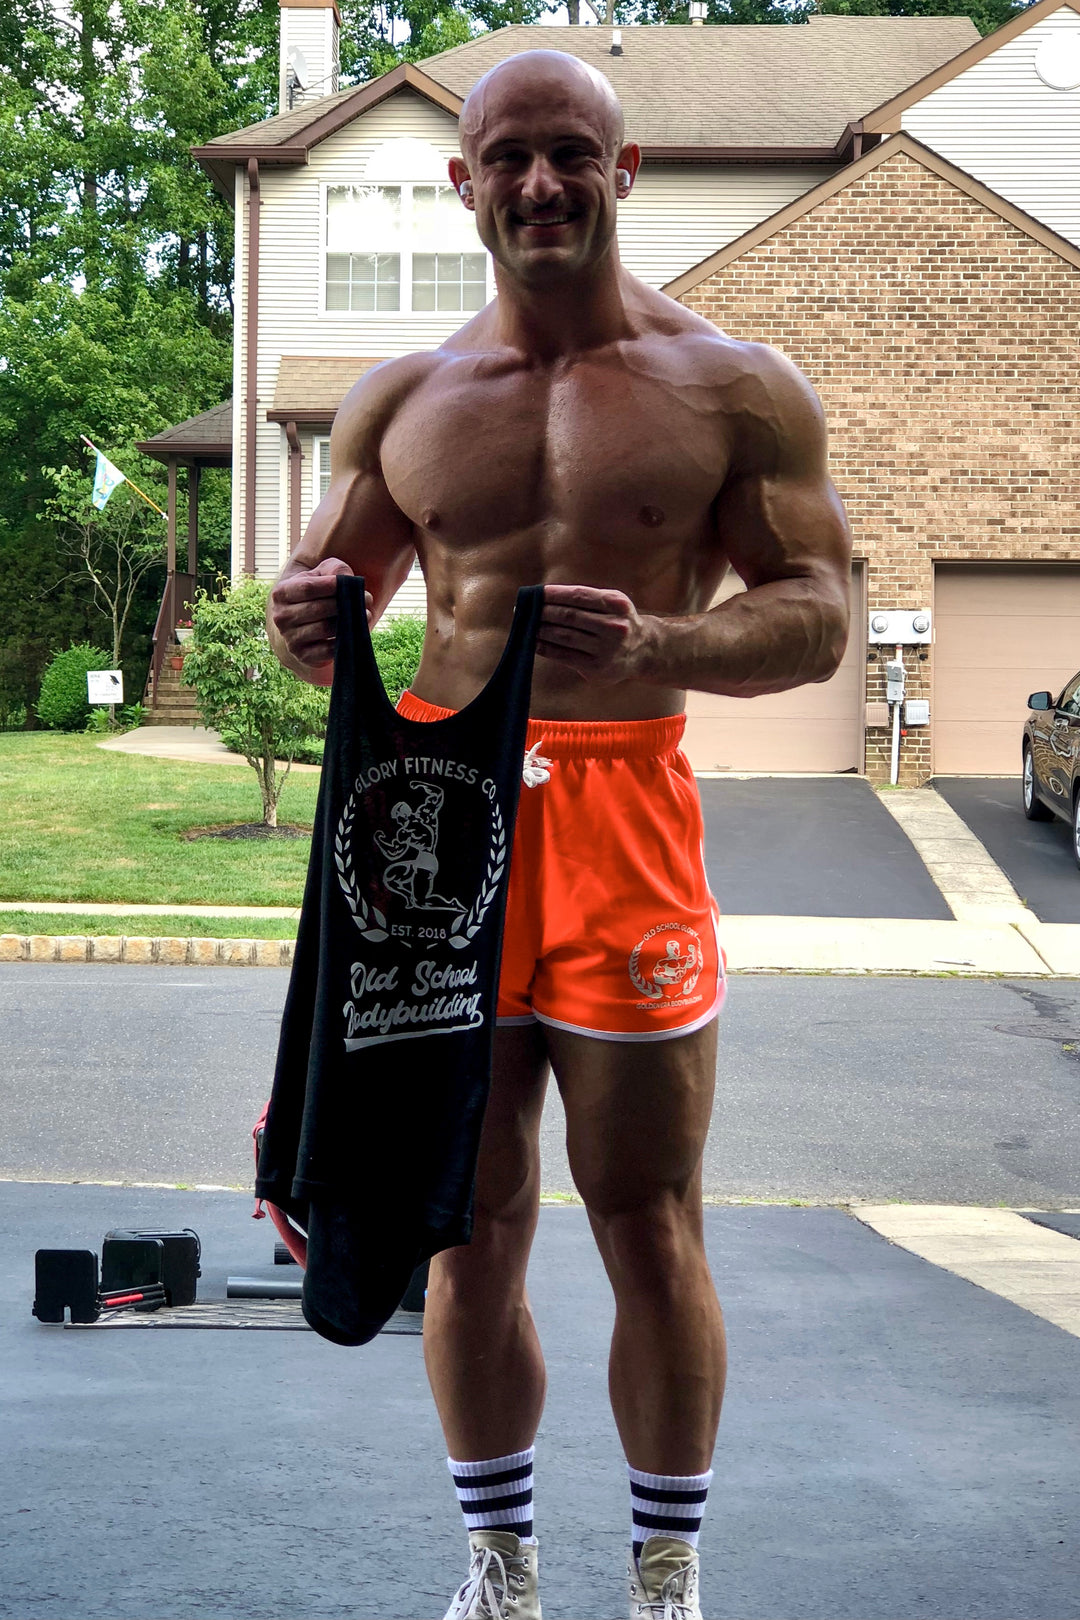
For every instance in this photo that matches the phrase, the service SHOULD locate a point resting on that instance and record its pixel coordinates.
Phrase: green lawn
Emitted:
(156, 927)
(80, 823)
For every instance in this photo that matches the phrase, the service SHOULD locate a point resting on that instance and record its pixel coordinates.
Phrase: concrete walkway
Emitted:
(197, 745)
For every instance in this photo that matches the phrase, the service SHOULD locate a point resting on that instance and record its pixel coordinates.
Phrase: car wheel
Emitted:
(1076, 828)
(1034, 808)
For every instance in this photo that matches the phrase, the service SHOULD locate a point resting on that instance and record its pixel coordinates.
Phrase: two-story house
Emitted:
(893, 202)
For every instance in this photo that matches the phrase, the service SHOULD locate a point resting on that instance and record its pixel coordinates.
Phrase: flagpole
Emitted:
(126, 479)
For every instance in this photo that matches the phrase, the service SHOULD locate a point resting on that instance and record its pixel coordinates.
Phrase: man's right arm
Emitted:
(355, 529)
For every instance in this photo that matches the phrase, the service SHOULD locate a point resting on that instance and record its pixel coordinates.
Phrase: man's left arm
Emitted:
(781, 525)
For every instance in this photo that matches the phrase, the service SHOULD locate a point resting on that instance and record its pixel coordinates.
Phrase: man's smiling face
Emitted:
(542, 140)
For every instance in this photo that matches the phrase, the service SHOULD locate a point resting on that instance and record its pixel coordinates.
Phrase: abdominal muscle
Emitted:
(471, 594)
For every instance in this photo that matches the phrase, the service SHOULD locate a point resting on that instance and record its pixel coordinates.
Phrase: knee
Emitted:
(655, 1243)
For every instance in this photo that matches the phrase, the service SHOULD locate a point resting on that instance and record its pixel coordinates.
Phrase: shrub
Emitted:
(261, 710)
(398, 644)
(61, 702)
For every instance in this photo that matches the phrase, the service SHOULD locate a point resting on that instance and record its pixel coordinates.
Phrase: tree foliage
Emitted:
(260, 708)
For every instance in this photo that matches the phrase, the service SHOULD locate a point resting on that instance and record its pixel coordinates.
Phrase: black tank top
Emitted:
(384, 1057)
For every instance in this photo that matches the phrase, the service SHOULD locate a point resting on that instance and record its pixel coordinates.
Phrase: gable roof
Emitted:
(736, 92)
(735, 84)
(893, 146)
(886, 118)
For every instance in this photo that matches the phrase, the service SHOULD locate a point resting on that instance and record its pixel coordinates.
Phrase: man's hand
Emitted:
(302, 618)
(599, 633)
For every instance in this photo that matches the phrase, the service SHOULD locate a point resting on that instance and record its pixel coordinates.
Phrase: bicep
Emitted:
(357, 519)
(778, 516)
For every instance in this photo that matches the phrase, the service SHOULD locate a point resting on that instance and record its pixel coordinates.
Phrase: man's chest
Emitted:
(595, 450)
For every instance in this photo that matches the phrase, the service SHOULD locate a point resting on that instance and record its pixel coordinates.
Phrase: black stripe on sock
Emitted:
(657, 1521)
(498, 1504)
(476, 1482)
(522, 1528)
(638, 1548)
(651, 1494)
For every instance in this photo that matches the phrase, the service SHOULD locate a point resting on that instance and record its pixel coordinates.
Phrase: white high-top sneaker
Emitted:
(664, 1581)
(502, 1583)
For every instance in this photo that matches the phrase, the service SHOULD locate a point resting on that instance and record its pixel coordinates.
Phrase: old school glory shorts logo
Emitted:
(665, 966)
(438, 850)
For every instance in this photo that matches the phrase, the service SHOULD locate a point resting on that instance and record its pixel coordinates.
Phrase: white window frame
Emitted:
(406, 255)
(317, 442)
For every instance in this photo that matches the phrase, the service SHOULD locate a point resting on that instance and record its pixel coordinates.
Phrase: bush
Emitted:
(261, 710)
(61, 703)
(398, 645)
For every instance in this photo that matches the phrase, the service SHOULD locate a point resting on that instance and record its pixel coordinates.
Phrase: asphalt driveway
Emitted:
(1036, 856)
(895, 1442)
(811, 847)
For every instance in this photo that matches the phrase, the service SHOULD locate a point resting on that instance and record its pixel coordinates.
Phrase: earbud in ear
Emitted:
(465, 190)
(622, 178)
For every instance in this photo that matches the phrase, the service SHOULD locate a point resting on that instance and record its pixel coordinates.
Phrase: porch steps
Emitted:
(174, 705)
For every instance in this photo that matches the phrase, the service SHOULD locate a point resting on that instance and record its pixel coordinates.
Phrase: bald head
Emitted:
(537, 80)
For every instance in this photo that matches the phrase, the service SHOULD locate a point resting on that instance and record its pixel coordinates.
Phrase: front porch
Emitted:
(200, 441)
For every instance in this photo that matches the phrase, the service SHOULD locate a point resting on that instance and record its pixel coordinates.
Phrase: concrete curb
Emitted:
(164, 952)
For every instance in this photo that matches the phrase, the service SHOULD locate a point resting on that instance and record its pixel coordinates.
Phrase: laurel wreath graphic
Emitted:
(655, 991)
(369, 919)
(467, 927)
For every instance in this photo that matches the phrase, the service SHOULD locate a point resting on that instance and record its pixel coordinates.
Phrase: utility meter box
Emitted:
(917, 712)
(894, 681)
(900, 629)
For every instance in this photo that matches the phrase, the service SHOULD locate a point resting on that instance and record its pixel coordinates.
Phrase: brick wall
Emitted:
(943, 342)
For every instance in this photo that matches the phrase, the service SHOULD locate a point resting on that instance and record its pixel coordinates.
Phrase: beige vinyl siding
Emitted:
(679, 214)
(312, 32)
(1002, 124)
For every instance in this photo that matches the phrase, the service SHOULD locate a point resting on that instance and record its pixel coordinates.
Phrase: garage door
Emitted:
(813, 728)
(1000, 632)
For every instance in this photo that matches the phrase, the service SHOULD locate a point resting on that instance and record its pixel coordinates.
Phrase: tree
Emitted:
(260, 708)
(985, 14)
(113, 548)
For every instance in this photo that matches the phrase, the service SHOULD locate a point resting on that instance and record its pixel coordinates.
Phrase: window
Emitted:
(403, 248)
(1069, 701)
(321, 469)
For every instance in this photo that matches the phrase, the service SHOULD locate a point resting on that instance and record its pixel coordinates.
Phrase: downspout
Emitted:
(295, 457)
(251, 322)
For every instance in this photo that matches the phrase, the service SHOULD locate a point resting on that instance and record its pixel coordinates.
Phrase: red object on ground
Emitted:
(294, 1240)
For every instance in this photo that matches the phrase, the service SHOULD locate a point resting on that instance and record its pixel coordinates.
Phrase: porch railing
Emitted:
(176, 602)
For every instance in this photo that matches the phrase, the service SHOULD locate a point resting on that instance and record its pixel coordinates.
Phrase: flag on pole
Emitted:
(106, 478)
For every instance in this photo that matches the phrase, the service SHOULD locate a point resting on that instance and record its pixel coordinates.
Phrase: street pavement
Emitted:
(829, 1089)
(1036, 856)
(895, 1442)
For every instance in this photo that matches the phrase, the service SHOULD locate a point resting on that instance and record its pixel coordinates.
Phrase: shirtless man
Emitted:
(586, 432)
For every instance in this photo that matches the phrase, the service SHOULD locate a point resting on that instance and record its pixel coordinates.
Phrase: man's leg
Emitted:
(480, 1343)
(637, 1116)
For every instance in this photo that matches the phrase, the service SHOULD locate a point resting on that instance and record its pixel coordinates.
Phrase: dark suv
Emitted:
(1052, 759)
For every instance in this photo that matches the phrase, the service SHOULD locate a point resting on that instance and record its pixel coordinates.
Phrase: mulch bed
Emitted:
(248, 829)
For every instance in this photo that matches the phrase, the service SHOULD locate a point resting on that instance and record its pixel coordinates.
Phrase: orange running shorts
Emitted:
(610, 925)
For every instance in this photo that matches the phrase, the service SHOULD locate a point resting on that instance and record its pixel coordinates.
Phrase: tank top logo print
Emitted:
(426, 897)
